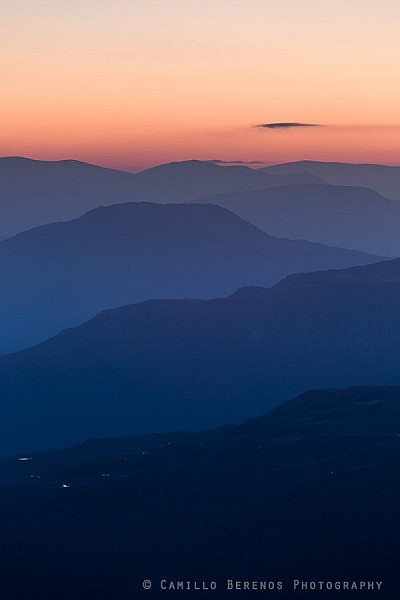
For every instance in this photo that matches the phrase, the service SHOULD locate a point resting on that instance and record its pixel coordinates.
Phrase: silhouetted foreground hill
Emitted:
(164, 365)
(59, 275)
(34, 192)
(307, 492)
(349, 217)
(381, 178)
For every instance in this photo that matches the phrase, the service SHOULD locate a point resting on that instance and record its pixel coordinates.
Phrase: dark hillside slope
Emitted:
(164, 365)
(307, 492)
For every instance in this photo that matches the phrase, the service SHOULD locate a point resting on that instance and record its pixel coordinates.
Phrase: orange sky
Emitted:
(133, 83)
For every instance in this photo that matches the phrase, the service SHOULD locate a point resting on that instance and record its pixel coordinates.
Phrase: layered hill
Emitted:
(191, 364)
(345, 216)
(34, 192)
(59, 275)
(381, 178)
(187, 180)
(320, 473)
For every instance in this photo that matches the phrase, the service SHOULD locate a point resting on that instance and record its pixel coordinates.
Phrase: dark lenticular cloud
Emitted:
(285, 125)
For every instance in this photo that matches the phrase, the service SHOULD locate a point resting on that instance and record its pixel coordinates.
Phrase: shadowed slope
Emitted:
(307, 492)
(163, 365)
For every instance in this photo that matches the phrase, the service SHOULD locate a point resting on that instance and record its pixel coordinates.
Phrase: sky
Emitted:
(133, 83)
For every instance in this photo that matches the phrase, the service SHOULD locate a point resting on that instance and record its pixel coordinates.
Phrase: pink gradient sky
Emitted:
(134, 83)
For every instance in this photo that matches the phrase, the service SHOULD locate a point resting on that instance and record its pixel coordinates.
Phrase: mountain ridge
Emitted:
(34, 192)
(60, 274)
(385, 179)
(345, 216)
(165, 364)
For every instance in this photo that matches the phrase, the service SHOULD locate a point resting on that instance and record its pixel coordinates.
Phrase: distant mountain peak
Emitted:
(193, 165)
